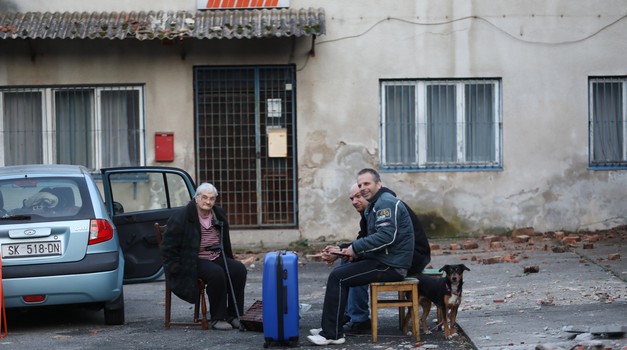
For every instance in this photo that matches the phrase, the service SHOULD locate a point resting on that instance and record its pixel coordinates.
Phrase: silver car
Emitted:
(62, 244)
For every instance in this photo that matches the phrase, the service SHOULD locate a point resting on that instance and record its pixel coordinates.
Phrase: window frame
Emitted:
(420, 107)
(49, 120)
(606, 164)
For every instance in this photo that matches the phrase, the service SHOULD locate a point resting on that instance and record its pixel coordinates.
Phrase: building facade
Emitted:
(483, 116)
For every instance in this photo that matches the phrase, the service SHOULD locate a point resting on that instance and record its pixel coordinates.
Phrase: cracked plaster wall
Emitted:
(543, 52)
(545, 181)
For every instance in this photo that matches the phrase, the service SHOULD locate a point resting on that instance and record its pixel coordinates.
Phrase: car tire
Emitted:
(114, 311)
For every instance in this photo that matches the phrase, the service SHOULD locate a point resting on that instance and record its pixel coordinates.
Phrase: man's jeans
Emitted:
(357, 308)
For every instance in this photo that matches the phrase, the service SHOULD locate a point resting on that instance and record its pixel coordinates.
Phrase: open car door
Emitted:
(136, 198)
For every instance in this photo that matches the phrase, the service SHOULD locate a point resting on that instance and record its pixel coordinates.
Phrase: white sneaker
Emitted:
(320, 340)
(315, 331)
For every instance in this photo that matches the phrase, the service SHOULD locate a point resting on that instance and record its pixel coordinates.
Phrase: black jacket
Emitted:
(422, 250)
(180, 246)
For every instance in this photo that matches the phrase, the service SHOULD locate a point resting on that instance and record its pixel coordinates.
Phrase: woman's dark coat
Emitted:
(181, 242)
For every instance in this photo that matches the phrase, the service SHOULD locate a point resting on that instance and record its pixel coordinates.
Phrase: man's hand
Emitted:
(350, 253)
(327, 257)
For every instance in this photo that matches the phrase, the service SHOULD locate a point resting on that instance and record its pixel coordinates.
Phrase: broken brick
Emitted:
(588, 246)
(434, 246)
(496, 245)
(493, 260)
(525, 231)
(520, 239)
(569, 240)
(613, 256)
(531, 269)
(454, 246)
(470, 245)
(492, 238)
(559, 235)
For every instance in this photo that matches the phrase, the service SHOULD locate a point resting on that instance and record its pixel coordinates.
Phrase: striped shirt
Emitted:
(209, 237)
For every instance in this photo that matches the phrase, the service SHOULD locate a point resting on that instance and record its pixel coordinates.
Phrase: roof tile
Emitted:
(217, 24)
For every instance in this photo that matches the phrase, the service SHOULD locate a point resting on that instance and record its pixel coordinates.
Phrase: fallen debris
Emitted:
(531, 269)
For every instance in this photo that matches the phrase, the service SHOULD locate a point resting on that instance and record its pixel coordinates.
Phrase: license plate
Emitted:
(19, 250)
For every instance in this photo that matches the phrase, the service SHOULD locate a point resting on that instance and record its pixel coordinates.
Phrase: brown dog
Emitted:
(445, 293)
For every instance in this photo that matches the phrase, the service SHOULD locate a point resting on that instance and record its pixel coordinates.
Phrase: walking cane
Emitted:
(228, 274)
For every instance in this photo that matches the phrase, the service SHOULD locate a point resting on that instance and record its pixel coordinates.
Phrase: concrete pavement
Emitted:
(577, 293)
(502, 308)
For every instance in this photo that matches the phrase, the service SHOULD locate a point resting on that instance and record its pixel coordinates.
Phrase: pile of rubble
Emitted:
(511, 247)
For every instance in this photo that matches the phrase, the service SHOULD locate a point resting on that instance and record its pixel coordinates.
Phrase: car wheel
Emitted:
(114, 311)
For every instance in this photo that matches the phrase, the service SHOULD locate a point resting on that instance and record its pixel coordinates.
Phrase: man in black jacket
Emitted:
(357, 308)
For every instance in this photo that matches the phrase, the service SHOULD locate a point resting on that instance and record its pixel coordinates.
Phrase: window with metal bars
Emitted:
(441, 124)
(93, 126)
(246, 146)
(607, 124)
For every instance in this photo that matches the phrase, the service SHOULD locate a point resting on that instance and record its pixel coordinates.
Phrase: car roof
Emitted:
(43, 170)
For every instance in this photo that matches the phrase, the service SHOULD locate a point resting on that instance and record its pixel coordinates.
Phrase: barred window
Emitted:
(441, 124)
(607, 125)
(94, 126)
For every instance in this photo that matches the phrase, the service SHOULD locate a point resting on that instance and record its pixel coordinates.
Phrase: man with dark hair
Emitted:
(383, 255)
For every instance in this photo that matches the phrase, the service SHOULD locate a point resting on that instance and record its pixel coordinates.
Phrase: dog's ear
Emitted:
(446, 268)
(464, 268)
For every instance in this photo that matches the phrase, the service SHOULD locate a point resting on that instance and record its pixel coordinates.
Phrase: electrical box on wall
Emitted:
(164, 146)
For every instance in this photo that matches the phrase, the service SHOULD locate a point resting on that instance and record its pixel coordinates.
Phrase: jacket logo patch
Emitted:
(383, 214)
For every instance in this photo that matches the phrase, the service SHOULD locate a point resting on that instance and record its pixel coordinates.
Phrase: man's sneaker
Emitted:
(235, 323)
(221, 325)
(315, 331)
(320, 340)
(358, 327)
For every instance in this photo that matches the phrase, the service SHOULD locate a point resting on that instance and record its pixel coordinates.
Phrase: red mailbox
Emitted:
(164, 146)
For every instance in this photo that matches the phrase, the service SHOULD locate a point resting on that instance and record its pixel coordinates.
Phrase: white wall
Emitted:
(543, 51)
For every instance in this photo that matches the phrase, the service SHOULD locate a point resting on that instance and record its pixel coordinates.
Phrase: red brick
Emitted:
(569, 240)
(496, 245)
(493, 260)
(613, 256)
(434, 246)
(520, 239)
(559, 235)
(525, 231)
(454, 246)
(492, 238)
(470, 245)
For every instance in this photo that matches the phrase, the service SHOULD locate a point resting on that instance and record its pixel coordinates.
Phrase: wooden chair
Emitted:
(407, 297)
(201, 302)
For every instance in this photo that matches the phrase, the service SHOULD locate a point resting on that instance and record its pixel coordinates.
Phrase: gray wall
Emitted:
(543, 51)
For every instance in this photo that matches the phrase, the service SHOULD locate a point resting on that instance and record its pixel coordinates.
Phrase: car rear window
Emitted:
(45, 199)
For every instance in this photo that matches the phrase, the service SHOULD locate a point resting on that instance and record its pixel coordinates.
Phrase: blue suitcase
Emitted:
(280, 299)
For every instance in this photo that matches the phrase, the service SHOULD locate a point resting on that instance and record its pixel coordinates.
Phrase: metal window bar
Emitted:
(69, 124)
(21, 127)
(608, 126)
(236, 110)
(455, 124)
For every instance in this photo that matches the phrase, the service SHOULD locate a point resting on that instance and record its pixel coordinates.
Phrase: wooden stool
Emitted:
(407, 297)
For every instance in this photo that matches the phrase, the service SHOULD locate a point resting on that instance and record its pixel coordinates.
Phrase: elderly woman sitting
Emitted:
(197, 245)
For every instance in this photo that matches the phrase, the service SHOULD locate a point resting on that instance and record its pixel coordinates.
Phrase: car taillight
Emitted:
(100, 231)
(34, 298)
